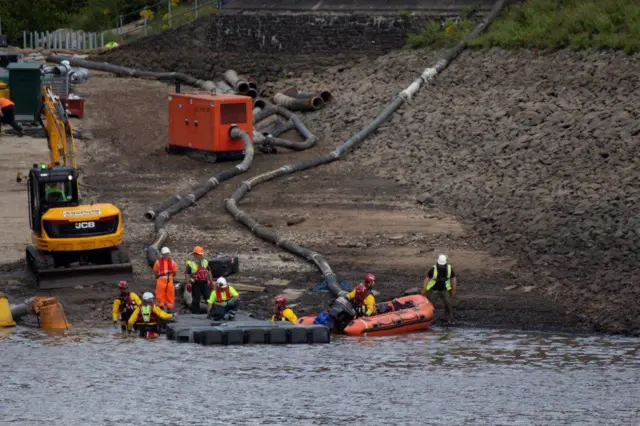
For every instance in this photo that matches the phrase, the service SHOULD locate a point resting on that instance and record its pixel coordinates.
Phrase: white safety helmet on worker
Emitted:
(442, 260)
(165, 250)
(147, 296)
(222, 282)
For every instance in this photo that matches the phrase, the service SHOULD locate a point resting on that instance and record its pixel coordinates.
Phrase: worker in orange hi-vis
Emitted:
(165, 268)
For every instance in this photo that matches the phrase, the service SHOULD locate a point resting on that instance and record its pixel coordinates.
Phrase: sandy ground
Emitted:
(360, 221)
(17, 155)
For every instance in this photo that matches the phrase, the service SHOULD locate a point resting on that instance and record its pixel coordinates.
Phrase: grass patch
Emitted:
(547, 24)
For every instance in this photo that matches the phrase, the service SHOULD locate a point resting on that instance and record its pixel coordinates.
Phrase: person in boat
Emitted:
(283, 312)
(362, 300)
(223, 300)
(441, 279)
(124, 305)
(145, 318)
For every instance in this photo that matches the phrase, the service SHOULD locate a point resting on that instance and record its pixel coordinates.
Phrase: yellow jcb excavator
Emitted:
(73, 244)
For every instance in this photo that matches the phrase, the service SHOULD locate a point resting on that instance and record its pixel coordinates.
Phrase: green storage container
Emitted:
(4, 76)
(26, 89)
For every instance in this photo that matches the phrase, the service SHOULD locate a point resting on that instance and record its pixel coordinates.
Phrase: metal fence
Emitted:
(62, 39)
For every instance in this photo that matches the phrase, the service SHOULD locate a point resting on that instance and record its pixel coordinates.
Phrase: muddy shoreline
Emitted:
(443, 150)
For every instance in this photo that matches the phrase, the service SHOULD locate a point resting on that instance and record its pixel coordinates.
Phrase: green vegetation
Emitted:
(547, 24)
(95, 15)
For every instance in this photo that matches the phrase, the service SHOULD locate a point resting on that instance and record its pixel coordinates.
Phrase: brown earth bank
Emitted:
(524, 164)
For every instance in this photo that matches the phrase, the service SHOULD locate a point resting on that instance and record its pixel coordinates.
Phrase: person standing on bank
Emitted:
(441, 278)
(197, 278)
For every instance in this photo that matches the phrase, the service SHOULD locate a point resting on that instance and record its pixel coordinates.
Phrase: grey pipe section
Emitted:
(253, 93)
(259, 103)
(325, 95)
(22, 309)
(185, 201)
(152, 213)
(310, 139)
(252, 83)
(308, 104)
(239, 84)
(264, 233)
(224, 87)
(130, 72)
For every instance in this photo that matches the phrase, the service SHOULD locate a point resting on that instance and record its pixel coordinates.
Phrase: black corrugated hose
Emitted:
(308, 254)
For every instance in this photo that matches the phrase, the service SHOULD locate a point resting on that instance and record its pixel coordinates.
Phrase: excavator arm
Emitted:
(62, 147)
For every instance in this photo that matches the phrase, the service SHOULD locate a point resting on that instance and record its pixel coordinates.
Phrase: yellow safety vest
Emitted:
(432, 282)
(145, 310)
(193, 268)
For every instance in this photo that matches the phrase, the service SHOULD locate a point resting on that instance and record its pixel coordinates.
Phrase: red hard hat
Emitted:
(281, 301)
(123, 285)
(369, 278)
(360, 289)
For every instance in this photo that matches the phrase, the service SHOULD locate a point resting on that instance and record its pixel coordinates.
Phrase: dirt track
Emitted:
(511, 154)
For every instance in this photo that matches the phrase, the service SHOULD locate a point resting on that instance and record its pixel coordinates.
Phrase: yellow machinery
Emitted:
(73, 244)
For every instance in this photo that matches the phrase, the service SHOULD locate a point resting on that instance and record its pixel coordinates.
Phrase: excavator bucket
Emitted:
(82, 275)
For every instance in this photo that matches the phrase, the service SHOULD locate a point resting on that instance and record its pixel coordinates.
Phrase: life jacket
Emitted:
(227, 294)
(165, 268)
(358, 299)
(127, 303)
(198, 272)
(147, 315)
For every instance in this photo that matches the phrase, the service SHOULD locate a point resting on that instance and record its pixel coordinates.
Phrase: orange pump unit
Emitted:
(201, 123)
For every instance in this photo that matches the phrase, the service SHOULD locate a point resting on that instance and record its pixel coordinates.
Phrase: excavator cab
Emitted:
(50, 188)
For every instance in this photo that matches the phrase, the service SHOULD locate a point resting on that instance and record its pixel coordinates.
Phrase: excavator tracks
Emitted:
(47, 276)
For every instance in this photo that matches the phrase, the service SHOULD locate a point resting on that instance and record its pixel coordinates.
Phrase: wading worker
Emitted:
(146, 317)
(441, 278)
(8, 114)
(197, 275)
(124, 305)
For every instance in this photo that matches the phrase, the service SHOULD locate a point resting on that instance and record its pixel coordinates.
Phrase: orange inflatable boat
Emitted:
(401, 315)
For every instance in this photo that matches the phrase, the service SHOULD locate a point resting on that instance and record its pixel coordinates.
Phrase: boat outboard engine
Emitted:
(340, 314)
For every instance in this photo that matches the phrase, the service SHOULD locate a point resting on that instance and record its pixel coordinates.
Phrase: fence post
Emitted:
(195, 8)
(67, 39)
(169, 9)
(102, 39)
(24, 39)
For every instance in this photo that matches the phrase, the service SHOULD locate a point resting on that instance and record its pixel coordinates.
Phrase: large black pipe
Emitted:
(182, 202)
(130, 72)
(239, 84)
(303, 252)
(271, 139)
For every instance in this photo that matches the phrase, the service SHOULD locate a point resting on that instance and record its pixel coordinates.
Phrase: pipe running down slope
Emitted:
(261, 231)
(177, 203)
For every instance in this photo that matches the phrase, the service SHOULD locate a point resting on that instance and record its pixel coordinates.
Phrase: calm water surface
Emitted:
(477, 377)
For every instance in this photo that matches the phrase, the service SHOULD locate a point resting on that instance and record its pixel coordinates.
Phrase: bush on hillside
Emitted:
(550, 24)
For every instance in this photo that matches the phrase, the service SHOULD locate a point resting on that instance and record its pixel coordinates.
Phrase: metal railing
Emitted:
(62, 39)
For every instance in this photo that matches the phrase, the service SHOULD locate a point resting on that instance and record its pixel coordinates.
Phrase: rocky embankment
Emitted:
(539, 153)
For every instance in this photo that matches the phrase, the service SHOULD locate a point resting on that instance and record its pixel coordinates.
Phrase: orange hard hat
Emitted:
(198, 250)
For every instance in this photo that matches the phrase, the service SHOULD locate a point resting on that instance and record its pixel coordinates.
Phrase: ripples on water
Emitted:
(478, 377)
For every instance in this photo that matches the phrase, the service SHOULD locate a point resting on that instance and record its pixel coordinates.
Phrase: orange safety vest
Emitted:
(4, 102)
(227, 293)
(165, 268)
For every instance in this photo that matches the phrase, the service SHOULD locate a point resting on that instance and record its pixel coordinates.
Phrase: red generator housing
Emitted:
(200, 123)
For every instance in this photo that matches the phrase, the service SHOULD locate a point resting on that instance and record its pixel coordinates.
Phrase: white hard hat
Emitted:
(165, 250)
(222, 282)
(442, 260)
(147, 296)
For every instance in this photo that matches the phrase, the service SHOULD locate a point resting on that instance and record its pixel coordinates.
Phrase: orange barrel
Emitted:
(50, 313)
